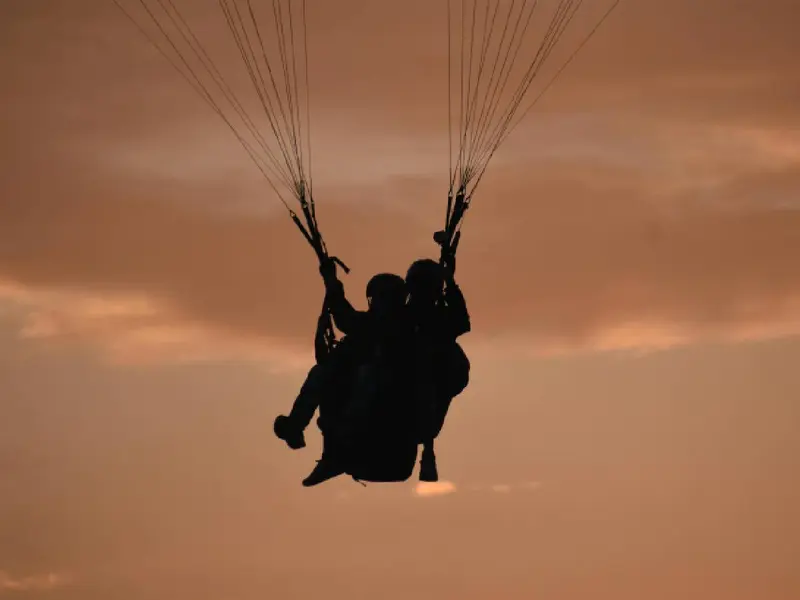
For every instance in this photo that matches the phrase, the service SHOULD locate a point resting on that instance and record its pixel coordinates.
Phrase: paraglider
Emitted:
(384, 388)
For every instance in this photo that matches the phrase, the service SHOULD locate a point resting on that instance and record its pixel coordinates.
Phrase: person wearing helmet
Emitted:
(376, 332)
(438, 311)
(437, 306)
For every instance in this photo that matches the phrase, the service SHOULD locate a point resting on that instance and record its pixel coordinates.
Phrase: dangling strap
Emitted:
(325, 336)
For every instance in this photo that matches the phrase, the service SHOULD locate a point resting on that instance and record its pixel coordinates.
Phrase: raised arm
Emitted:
(346, 318)
(457, 313)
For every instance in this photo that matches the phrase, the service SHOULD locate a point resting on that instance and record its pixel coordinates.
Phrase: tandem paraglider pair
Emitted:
(386, 387)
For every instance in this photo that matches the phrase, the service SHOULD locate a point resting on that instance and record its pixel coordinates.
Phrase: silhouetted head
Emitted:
(425, 281)
(386, 293)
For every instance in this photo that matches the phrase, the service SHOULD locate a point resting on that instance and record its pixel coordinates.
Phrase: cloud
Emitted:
(642, 338)
(33, 583)
(507, 488)
(137, 330)
(429, 489)
(606, 263)
(613, 223)
(618, 265)
(443, 488)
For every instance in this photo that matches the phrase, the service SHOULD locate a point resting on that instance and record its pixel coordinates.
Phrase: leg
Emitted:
(329, 465)
(340, 428)
(340, 405)
(451, 378)
(344, 434)
(428, 470)
(426, 394)
(290, 428)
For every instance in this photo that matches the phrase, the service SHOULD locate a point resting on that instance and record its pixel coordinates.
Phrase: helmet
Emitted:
(387, 286)
(425, 274)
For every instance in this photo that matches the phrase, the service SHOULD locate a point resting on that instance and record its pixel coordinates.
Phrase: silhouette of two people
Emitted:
(387, 385)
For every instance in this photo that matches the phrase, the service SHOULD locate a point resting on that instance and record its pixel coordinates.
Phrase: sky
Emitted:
(629, 263)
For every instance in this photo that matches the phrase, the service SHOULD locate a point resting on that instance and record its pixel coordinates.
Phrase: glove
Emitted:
(448, 265)
(327, 268)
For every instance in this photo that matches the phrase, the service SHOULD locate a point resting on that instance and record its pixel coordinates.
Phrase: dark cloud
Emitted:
(558, 249)
(576, 260)
(547, 256)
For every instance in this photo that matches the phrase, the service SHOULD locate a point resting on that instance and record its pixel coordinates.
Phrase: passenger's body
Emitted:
(439, 313)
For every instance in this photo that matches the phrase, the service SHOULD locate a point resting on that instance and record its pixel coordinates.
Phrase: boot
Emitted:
(327, 468)
(290, 432)
(427, 464)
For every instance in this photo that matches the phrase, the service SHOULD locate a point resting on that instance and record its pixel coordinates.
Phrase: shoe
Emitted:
(286, 430)
(326, 469)
(427, 467)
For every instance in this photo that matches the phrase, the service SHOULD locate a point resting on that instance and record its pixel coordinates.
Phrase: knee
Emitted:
(453, 381)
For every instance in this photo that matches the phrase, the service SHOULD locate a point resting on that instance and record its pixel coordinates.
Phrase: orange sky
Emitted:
(629, 263)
